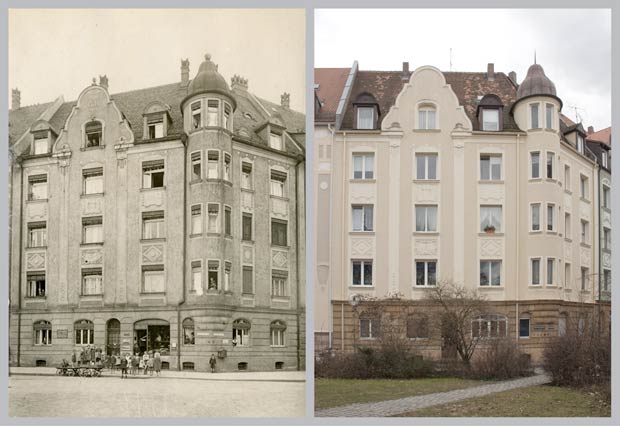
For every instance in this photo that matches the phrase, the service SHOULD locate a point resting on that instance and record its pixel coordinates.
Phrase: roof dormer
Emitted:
(43, 137)
(490, 113)
(366, 110)
(157, 120)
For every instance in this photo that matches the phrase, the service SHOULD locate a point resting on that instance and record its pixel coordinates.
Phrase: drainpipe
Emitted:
(298, 314)
(518, 257)
(21, 253)
(600, 250)
(182, 302)
(344, 260)
(330, 313)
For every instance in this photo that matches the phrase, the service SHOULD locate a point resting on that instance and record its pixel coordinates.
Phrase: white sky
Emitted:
(58, 51)
(572, 45)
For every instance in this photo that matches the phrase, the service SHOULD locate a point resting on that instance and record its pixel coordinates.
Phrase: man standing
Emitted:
(212, 363)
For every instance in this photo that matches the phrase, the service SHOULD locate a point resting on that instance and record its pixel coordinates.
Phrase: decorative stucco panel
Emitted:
(153, 253)
(92, 256)
(362, 246)
(35, 261)
(37, 211)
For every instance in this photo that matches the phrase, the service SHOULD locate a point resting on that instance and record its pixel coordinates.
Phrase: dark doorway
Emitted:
(152, 335)
(113, 337)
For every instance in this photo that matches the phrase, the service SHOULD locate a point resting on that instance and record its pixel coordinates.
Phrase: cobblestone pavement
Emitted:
(403, 405)
(245, 395)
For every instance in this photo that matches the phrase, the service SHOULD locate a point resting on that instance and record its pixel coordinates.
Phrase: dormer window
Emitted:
(40, 145)
(365, 118)
(426, 118)
(213, 112)
(604, 159)
(155, 128)
(94, 131)
(196, 115)
(580, 143)
(366, 112)
(490, 120)
(275, 141)
(489, 113)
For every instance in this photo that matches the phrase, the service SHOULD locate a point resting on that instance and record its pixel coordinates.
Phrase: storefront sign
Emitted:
(62, 334)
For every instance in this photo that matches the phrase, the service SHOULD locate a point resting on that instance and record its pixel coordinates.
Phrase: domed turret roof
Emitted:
(536, 83)
(207, 79)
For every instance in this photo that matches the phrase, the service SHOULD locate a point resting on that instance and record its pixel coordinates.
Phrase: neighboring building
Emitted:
(169, 218)
(463, 177)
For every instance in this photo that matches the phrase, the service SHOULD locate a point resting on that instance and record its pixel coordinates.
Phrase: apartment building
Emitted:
(165, 219)
(464, 177)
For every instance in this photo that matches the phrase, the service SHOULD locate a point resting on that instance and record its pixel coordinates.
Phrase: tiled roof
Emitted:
(248, 115)
(567, 121)
(331, 83)
(602, 136)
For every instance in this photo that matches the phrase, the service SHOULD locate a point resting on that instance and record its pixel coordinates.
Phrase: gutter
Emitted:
(182, 302)
(344, 263)
(330, 312)
(600, 249)
(21, 254)
(518, 196)
(298, 313)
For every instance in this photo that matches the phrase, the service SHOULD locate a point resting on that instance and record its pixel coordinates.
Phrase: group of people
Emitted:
(148, 362)
(89, 356)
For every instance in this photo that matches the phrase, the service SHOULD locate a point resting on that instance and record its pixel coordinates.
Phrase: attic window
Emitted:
(490, 119)
(275, 141)
(40, 145)
(213, 106)
(580, 143)
(365, 118)
(196, 113)
(227, 114)
(427, 117)
(94, 131)
(155, 126)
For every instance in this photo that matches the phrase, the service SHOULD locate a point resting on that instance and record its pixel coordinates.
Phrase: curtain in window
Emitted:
(367, 273)
(420, 218)
(357, 218)
(430, 119)
(370, 163)
(432, 167)
(420, 166)
(368, 220)
(431, 218)
(365, 118)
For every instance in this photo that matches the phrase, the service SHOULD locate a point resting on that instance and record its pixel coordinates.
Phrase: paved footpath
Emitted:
(404, 405)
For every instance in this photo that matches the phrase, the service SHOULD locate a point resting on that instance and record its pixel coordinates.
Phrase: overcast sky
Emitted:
(572, 45)
(58, 52)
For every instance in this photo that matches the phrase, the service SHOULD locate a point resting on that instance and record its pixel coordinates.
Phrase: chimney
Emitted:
(238, 82)
(490, 71)
(285, 100)
(103, 81)
(16, 99)
(590, 130)
(405, 73)
(184, 72)
(513, 76)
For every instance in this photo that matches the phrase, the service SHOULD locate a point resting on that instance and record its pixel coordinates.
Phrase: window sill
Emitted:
(38, 200)
(36, 248)
(228, 182)
(35, 297)
(194, 181)
(584, 245)
(276, 246)
(491, 287)
(367, 233)
(426, 233)
(534, 180)
(538, 232)
(248, 190)
(423, 287)
(92, 296)
(491, 182)
(97, 244)
(92, 195)
(490, 234)
(552, 232)
(353, 180)
(248, 241)
(357, 287)
(152, 240)
(585, 200)
(277, 197)
(228, 236)
(213, 180)
(160, 188)
(281, 298)
(213, 234)
(434, 181)
(426, 130)
(89, 148)
(568, 240)
(552, 180)
(152, 293)
(533, 286)
(418, 338)
(195, 235)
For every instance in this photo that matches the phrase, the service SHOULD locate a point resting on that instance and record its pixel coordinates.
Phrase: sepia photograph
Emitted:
(157, 212)
(463, 187)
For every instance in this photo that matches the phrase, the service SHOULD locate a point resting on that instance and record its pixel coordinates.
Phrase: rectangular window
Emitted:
(227, 115)
(551, 217)
(92, 230)
(426, 218)
(227, 166)
(92, 280)
(426, 273)
(585, 234)
(246, 175)
(567, 275)
(277, 337)
(535, 271)
(153, 279)
(362, 218)
(213, 165)
(370, 328)
(37, 187)
(227, 272)
(535, 208)
(213, 275)
(606, 279)
(604, 159)
(585, 279)
(534, 116)
(40, 146)
(363, 166)
(196, 219)
(279, 231)
(248, 280)
(490, 167)
(156, 128)
(567, 177)
(535, 157)
(524, 328)
(275, 141)
(362, 272)
(606, 238)
(426, 166)
(213, 107)
(227, 221)
(606, 197)
(278, 179)
(43, 336)
(153, 174)
(37, 234)
(36, 284)
(93, 181)
(426, 119)
(196, 165)
(549, 116)
(491, 219)
(213, 219)
(246, 224)
(583, 187)
(567, 226)
(365, 118)
(197, 276)
(153, 225)
(94, 131)
(278, 284)
(84, 336)
(550, 271)
(490, 120)
(550, 160)
(580, 143)
(490, 272)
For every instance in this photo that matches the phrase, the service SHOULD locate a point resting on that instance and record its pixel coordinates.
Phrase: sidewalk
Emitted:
(242, 376)
(404, 405)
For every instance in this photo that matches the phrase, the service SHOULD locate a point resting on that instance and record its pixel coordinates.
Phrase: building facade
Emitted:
(470, 178)
(165, 219)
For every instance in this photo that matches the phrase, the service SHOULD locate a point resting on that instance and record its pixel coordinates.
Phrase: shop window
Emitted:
(188, 332)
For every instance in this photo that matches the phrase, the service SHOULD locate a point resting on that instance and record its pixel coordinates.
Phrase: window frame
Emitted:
(38, 181)
(89, 223)
(535, 270)
(196, 270)
(426, 274)
(485, 323)
(425, 157)
(550, 165)
(152, 271)
(88, 175)
(536, 154)
(82, 326)
(533, 207)
(87, 133)
(483, 227)
(489, 272)
(363, 263)
(534, 106)
(423, 118)
(418, 208)
(150, 168)
(213, 218)
(496, 122)
(359, 110)
(364, 208)
(371, 320)
(551, 219)
(529, 327)
(151, 218)
(550, 267)
(92, 272)
(277, 239)
(364, 156)
(549, 120)
(38, 230)
(491, 157)
(33, 289)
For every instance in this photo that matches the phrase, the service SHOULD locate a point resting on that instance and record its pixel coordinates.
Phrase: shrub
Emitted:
(501, 359)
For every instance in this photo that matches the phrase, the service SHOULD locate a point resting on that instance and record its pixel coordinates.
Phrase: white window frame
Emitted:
(195, 124)
(532, 154)
(96, 283)
(38, 188)
(213, 165)
(147, 175)
(488, 265)
(532, 106)
(213, 219)
(426, 282)
(227, 166)
(365, 173)
(196, 219)
(550, 156)
(246, 176)
(212, 118)
(372, 118)
(568, 232)
(551, 261)
(277, 185)
(584, 187)
(370, 320)
(36, 145)
(534, 206)
(146, 273)
(551, 220)
(580, 144)
(363, 263)
(424, 120)
(426, 208)
(538, 270)
(276, 141)
(494, 160)
(277, 337)
(529, 327)
(425, 157)
(549, 121)
(196, 272)
(606, 197)
(196, 160)
(491, 125)
(213, 265)
(364, 209)
(501, 216)
(567, 178)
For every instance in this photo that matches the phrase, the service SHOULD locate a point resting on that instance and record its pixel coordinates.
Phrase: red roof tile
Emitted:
(331, 83)
(602, 136)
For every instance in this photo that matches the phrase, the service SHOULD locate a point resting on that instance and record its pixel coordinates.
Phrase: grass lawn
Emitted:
(534, 401)
(335, 392)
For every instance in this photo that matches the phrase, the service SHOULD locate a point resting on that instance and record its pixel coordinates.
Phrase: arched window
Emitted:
(427, 117)
(94, 133)
(189, 337)
(417, 326)
(489, 326)
(42, 333)
(241, 332)
(277, 333)
(84, 332)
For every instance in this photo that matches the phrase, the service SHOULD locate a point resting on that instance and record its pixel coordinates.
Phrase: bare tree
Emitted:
(458, 306)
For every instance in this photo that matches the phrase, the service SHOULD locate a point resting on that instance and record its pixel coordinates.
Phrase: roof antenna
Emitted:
(534, 56)
(450, 59)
